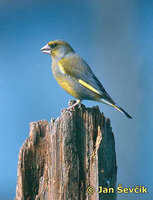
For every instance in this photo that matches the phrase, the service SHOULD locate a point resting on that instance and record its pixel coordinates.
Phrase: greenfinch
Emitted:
(75, 76)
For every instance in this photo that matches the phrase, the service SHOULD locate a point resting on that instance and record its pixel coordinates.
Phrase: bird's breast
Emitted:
(66, 82)
(71, 85)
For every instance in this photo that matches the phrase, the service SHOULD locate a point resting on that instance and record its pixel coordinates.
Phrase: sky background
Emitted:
(115, 37)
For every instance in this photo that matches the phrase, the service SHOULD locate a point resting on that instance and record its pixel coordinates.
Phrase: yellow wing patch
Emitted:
(80, 81)
(88, 86)
(61, 68)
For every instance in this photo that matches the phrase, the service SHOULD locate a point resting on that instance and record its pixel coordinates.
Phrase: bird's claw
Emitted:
(67, 109)
(80, 107)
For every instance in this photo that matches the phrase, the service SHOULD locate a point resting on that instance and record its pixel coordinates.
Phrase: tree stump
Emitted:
(68, 158)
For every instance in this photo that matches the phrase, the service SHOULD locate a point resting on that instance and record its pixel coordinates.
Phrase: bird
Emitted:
(75, 76)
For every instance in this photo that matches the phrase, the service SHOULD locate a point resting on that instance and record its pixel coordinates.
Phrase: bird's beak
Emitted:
(46, 49)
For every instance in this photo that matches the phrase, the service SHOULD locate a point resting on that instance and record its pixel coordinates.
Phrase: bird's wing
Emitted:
(78, 69)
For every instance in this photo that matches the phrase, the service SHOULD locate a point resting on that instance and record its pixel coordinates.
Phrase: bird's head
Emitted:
(57, 48)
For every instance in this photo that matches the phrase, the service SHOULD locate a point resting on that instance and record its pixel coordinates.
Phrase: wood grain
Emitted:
(61, 158)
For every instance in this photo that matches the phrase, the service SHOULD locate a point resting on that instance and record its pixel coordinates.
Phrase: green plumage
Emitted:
(75, 76)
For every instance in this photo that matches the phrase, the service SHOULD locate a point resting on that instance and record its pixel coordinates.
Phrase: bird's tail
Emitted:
(122, 111)
(117, 108)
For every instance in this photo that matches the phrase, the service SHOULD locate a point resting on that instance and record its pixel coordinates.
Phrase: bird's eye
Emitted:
(53, 45)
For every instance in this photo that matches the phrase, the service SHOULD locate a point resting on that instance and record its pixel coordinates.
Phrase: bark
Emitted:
(62, 158)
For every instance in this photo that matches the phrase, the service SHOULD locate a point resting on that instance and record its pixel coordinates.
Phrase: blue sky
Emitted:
(116, 40)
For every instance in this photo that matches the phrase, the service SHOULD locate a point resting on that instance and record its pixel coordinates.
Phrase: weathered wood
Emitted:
(61, 158)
